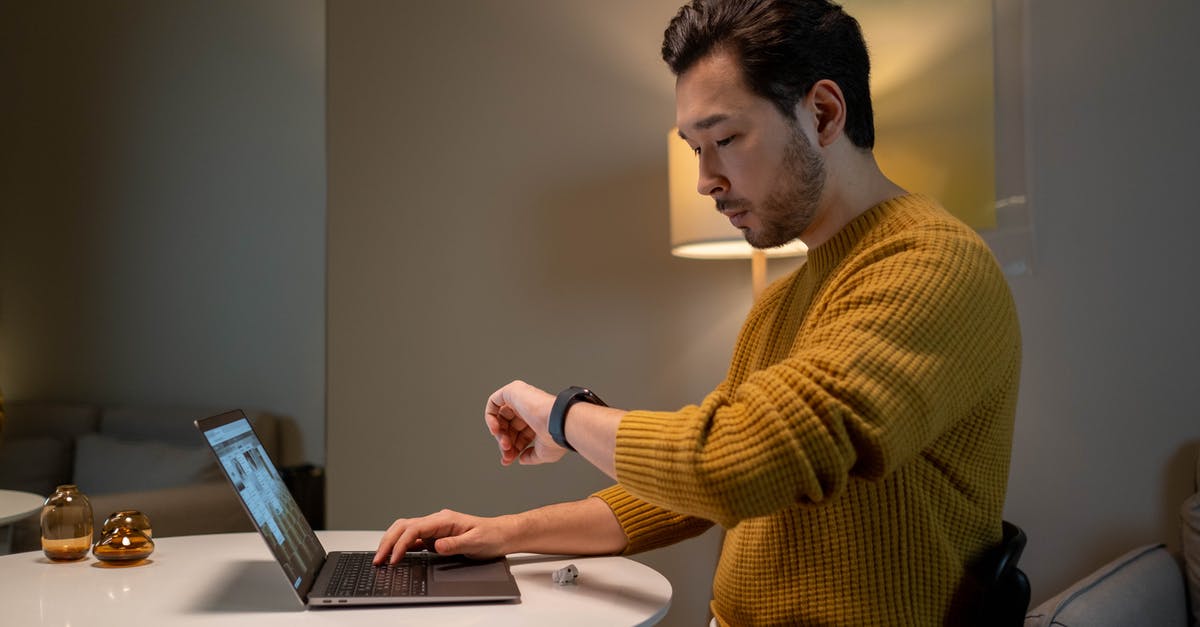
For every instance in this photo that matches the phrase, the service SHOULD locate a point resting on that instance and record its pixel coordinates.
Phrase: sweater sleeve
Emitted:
(647, 526)
(905, 339)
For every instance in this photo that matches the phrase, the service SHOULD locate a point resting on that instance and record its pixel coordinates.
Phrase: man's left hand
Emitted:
(517, 415)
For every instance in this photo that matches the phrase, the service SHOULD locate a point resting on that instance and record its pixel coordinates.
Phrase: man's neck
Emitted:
(853, 185)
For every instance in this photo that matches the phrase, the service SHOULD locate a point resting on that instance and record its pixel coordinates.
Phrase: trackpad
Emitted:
(463, 572)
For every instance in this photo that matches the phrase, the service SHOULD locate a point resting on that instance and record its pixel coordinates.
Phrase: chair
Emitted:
(1005, 588)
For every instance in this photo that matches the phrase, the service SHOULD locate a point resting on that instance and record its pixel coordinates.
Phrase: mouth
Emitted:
(738, 219)
(735, 211)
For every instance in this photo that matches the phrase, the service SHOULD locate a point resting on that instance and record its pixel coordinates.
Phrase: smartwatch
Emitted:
(562, 404)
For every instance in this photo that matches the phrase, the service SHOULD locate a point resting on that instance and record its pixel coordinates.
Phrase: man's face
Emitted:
(759, 166)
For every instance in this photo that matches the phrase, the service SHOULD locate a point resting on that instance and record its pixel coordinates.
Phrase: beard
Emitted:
(792, 206)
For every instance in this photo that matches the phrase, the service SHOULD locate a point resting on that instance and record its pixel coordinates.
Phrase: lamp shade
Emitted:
(698, 230)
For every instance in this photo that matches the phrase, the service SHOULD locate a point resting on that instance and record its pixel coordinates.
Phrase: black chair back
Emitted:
(1005, 588)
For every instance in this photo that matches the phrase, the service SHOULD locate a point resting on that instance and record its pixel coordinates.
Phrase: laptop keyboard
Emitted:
(355, 576)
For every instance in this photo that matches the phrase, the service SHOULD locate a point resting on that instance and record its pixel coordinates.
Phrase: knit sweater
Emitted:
(857, 452)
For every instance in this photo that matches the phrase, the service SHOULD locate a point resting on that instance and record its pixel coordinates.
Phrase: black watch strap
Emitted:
(562, 404)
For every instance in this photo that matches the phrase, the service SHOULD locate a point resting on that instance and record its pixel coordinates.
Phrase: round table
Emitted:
(14, 506)
(230, 579)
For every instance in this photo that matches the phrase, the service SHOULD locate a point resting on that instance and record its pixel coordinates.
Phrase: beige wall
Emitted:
(162, 218)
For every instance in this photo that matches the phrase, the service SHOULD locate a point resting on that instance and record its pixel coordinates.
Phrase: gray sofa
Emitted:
(1142, 587)
(125, 457)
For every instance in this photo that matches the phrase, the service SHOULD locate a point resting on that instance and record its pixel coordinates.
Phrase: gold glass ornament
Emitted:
(66, 524)
(123, 544)
(127, 518)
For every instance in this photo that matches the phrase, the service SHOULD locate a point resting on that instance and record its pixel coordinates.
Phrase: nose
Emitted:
(710, 181)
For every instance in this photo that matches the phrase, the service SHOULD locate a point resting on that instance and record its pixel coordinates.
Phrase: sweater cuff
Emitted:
(647, 526)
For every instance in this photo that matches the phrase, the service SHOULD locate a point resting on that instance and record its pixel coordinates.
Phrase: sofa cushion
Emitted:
(105, 464)
(35, 465)
(1142, 587)
(211, 507)
(173, 425)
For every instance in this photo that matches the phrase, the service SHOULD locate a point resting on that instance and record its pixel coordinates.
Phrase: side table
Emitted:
(14, 506)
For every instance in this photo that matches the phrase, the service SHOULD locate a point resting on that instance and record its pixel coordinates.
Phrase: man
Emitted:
(857, 451)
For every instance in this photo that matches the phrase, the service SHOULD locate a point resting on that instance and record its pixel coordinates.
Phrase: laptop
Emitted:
(341, 578)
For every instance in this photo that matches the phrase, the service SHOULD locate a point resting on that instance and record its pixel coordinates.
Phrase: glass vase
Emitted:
(66, 524)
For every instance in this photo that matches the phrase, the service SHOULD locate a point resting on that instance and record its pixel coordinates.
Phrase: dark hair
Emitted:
(784, 47)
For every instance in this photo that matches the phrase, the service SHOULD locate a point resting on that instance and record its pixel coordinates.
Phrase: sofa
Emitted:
(1144, 586)
(134, 457)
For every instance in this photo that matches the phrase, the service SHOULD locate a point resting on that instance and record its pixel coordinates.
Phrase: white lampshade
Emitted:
(698, 230)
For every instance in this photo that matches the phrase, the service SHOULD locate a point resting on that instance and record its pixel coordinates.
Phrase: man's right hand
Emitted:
(446, 532)
(586, 527)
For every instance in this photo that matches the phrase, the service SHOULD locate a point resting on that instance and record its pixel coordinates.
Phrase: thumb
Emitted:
(448, 545)
(530, 456)
(444, 545)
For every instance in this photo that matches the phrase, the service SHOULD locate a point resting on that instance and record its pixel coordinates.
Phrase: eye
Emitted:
(720, 143)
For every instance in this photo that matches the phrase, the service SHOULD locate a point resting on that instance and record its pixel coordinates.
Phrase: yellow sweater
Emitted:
(857, 451)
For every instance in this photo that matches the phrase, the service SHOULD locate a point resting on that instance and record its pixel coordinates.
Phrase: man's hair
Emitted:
(784, 47)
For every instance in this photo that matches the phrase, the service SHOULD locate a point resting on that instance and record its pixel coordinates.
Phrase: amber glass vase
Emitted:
(66, 524)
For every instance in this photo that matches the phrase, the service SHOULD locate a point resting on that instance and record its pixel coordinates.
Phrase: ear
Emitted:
(826, 103)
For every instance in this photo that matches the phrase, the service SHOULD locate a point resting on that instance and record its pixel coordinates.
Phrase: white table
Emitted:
(230, 579)
(14, 506)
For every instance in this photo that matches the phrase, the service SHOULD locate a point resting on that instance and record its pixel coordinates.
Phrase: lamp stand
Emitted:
(758, 272)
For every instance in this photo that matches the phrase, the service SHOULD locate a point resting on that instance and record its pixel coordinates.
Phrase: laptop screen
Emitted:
(265, 497)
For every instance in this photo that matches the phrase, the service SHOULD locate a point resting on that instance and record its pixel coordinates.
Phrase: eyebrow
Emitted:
(707, 123)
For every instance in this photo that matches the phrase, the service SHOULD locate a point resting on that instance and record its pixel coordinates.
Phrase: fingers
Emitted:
(390, 542)
(506, 424)
(508, 437)
(515, 415)
(519, 441)
(498, 412)
(408, 534)
(492, 417)
(503, 422)
(447, 546)
(446, 532)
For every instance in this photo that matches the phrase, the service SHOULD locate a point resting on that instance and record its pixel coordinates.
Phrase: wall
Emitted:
(163, 217)
(1107, 426)
(498, 210)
